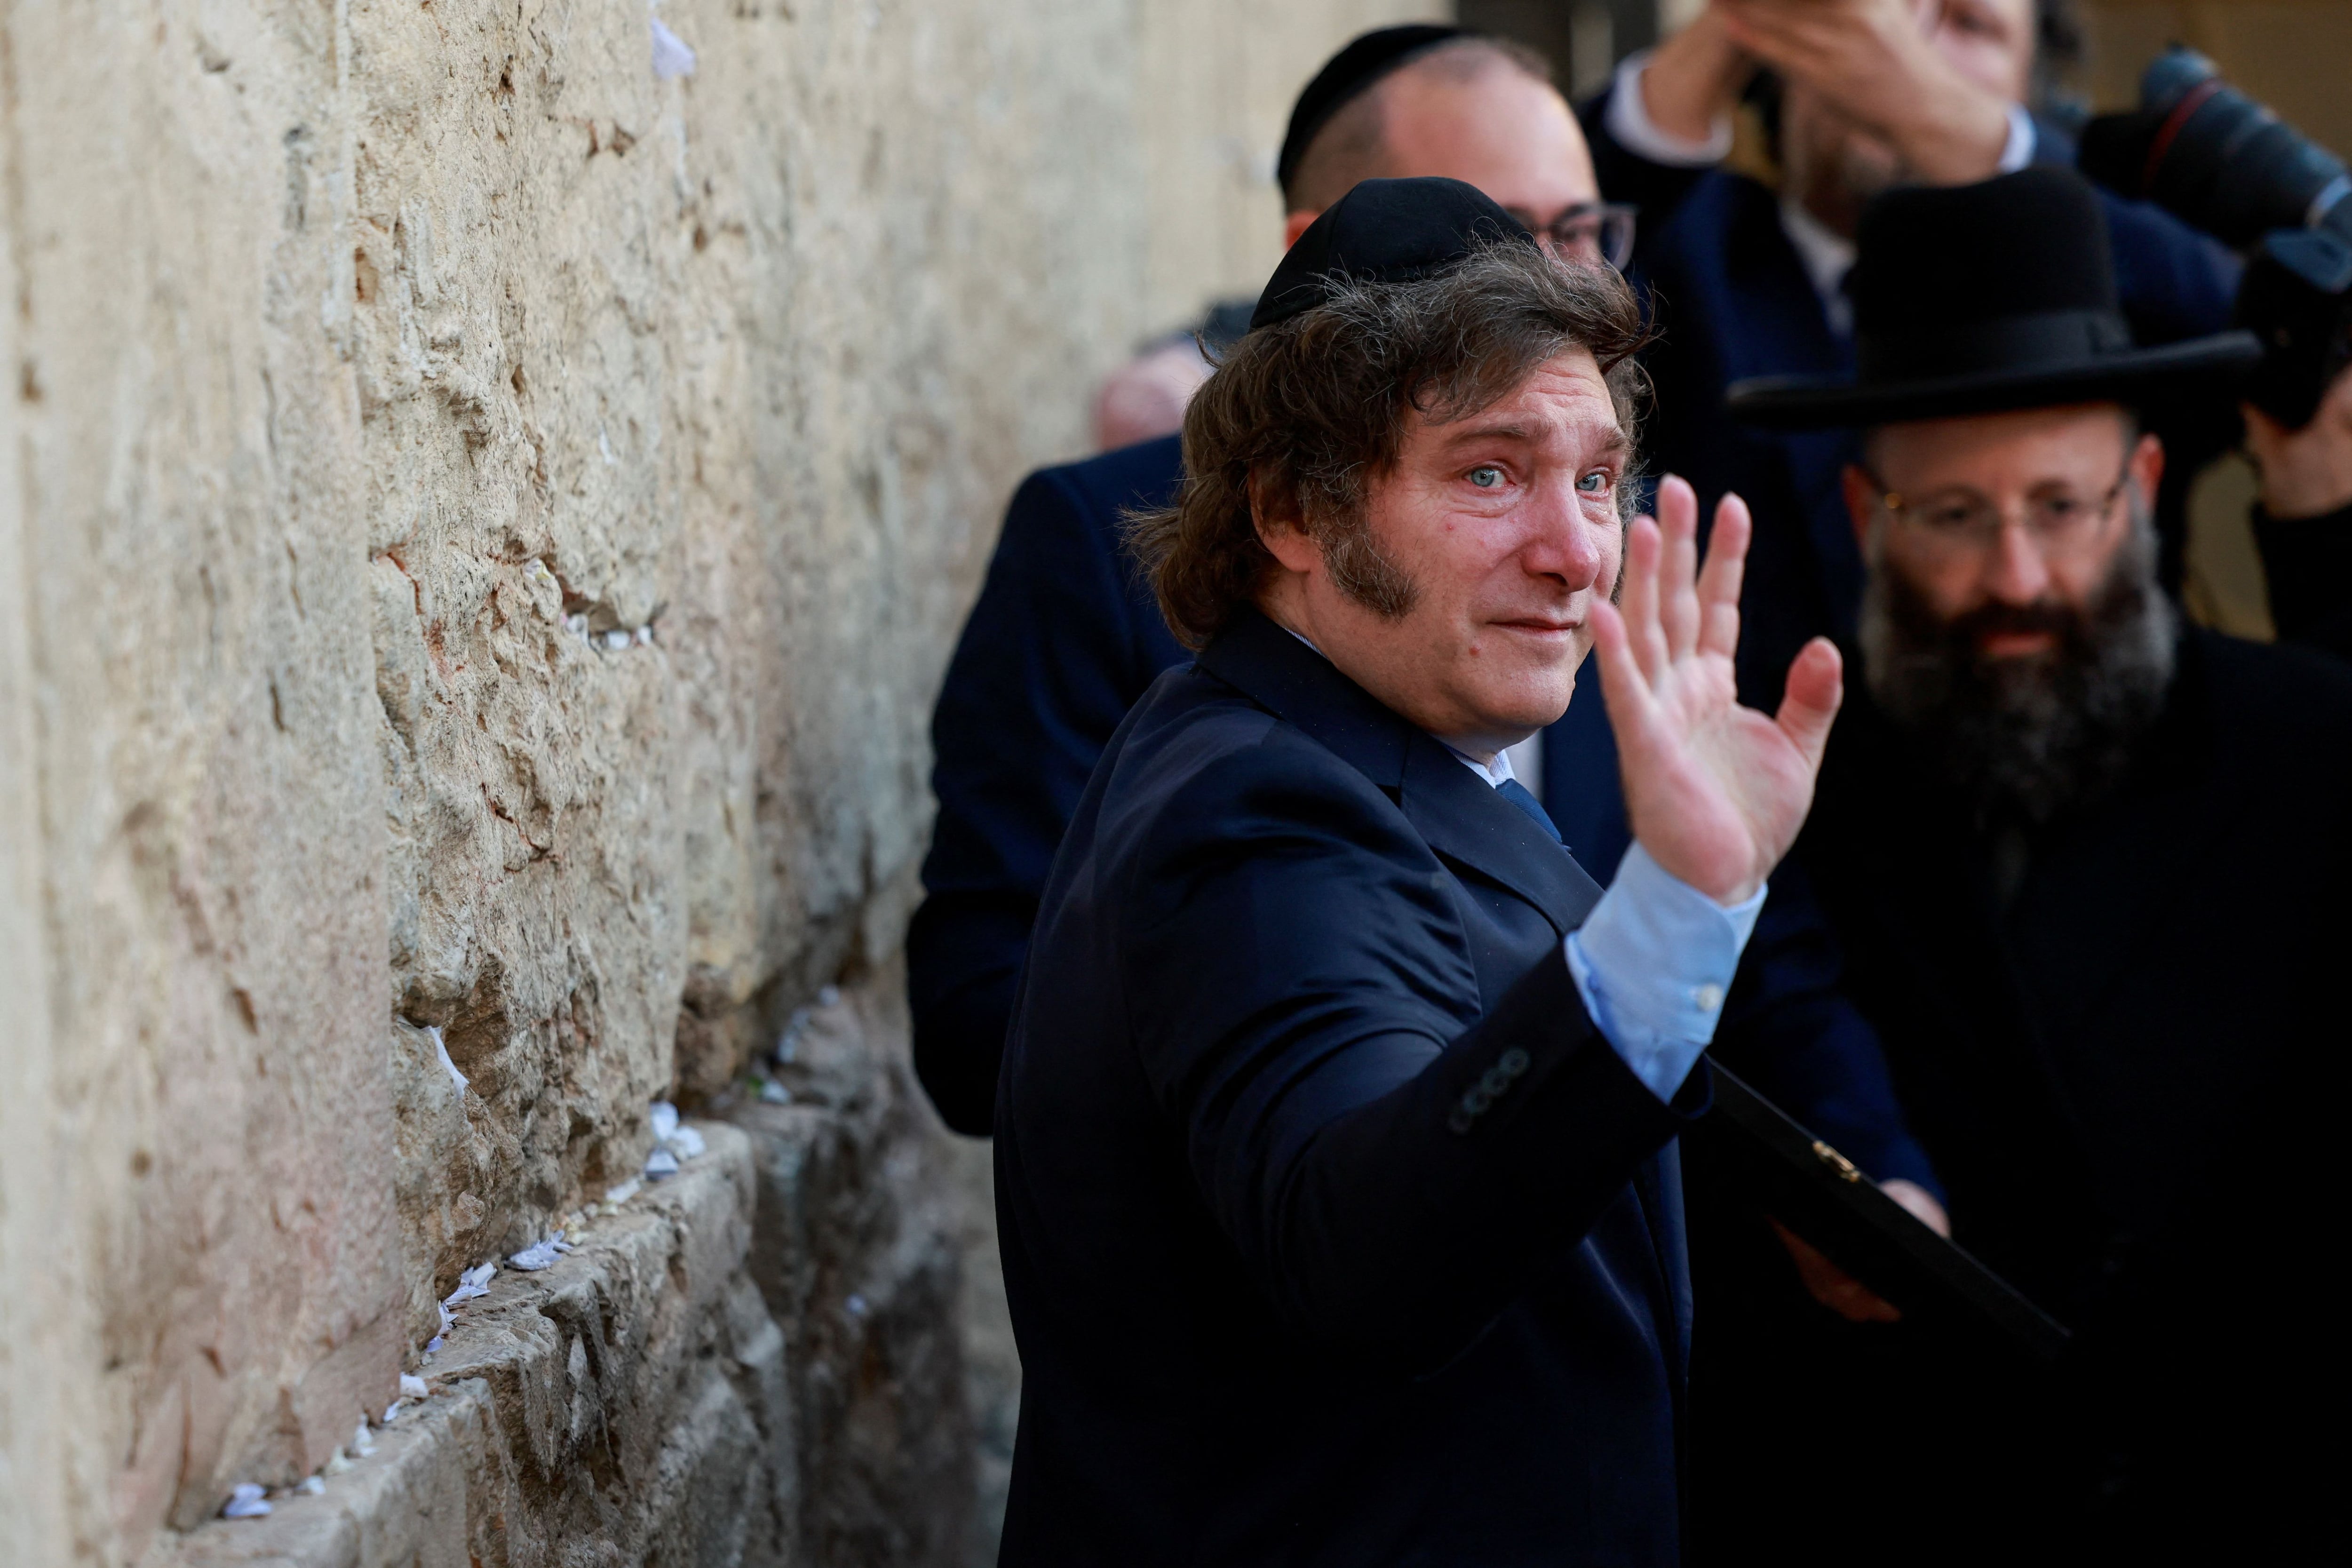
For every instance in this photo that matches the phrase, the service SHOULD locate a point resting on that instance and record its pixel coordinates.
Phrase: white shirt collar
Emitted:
(1826, 256)
(1496, 772)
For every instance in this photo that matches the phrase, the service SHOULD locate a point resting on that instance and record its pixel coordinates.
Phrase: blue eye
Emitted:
(1486, 476)
(1594, 483)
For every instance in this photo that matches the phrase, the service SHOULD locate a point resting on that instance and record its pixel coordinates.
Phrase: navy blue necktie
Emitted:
(1518, 794)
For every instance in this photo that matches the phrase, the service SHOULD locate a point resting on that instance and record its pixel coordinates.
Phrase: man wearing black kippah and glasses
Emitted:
(1426, 99)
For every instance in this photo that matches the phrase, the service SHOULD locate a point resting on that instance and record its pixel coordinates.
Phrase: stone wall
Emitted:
(480, 524)
(756, 1363)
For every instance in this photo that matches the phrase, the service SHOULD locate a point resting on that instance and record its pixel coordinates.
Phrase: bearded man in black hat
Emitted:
(2088, 866)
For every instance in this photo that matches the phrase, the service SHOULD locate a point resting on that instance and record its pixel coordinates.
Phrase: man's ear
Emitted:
(1274, 513)
(1860, 495)
(2147, 466)
(1295, 223)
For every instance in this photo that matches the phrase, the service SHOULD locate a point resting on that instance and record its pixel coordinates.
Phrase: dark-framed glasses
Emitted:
(1589, 231)
(2060, 520)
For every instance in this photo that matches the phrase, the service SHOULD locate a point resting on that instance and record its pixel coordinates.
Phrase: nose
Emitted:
(2015, 572)
(1562, 542)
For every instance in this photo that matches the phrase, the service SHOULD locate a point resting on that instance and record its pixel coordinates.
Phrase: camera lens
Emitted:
(2215, 156)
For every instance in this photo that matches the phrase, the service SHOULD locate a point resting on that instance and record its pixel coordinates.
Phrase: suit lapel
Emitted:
(1455, 812)
(1284, 675)
(1465, 819)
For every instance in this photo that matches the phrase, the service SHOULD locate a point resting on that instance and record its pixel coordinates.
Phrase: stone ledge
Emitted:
(630, 1404)
(756, 1363)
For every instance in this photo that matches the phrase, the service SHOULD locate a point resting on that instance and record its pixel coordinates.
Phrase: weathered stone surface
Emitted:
(631, 1404)
(372, 364)
(857, 1255)
(757, 1361)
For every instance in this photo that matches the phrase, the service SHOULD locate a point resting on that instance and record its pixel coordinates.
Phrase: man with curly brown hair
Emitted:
(1066, 638)
(1335, 1141)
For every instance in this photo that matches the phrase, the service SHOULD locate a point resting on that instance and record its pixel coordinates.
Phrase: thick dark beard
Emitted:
(2026, 739)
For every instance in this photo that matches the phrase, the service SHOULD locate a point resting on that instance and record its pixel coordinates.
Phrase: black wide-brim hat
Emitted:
(1983, 298)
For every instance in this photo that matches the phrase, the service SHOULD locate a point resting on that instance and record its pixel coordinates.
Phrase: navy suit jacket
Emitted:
(1066, 638)
(1732, 301)
(1333, 1231)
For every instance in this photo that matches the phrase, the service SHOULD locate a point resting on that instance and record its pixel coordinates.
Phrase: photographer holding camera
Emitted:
(2226, 164)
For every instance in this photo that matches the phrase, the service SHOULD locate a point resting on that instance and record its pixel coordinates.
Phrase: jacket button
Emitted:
(1513, 1061)
(1495, 1081)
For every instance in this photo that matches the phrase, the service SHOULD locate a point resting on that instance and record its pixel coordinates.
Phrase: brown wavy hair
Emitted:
(1314, 410)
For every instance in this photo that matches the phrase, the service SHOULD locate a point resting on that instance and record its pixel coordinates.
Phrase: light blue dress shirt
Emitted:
(1652, 961)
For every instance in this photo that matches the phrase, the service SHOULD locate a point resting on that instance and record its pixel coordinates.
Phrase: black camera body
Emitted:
(2226, 164)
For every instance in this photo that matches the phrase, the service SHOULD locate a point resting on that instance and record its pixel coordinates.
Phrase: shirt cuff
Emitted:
(1627, 119)
(2018, 150)
(1653, 962)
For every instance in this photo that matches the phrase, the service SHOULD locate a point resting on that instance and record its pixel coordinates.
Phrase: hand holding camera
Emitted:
(2229, 166)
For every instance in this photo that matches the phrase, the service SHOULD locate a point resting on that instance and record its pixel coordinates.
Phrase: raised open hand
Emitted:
(1715, 791)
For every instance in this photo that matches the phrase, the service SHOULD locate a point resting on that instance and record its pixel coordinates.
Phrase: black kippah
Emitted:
(1383, 231)
(1348, 73)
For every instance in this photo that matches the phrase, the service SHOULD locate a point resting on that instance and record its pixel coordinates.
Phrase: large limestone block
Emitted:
(203, 1261)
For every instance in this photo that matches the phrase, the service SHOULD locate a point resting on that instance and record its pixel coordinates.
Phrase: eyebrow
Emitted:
(1617, 440)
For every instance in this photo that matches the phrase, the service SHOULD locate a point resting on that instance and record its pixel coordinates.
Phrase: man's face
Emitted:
(1837, 165)
(1501, 131)
(2009, 519)
(2012, 621)
(1500, 528)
